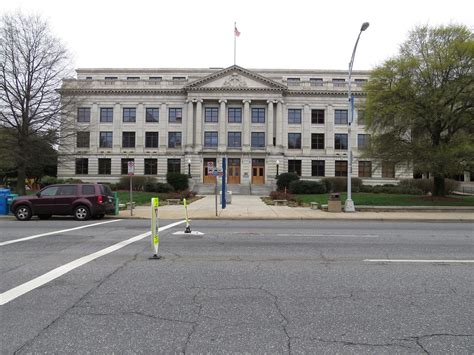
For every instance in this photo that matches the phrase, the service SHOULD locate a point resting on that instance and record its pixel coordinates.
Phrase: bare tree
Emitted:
(33, 63)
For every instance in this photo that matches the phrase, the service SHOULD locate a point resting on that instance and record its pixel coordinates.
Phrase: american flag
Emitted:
(236, 32)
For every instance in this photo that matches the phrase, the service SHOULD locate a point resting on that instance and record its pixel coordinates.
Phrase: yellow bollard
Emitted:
(155, 225)
(188, 227)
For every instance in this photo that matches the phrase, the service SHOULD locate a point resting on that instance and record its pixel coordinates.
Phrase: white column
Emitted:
(140, 132)
(246, 126)
(269, 135)
(279, 124)
(306, 134)
(198, 137)
(95, 127)
(189, 126)
(117, 128)
(329, 130)
(222, 123)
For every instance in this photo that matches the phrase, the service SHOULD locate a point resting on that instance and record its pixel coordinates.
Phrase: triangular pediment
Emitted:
(235, 78)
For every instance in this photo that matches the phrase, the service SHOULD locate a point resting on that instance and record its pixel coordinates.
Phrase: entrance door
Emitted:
(208, 179)
(233, 172)
(258, 171)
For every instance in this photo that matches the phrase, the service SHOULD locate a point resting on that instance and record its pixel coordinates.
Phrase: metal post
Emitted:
(215, 193)
(188, 227)
(349, 206)
(131, 197)
(155, 227)
(223, 200)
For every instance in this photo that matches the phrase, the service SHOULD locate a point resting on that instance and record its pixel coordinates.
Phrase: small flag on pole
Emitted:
(236, 31)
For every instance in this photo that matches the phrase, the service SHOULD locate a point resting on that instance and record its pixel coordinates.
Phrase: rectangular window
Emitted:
(340, 168)
(210, 139)
(258, 115)
(365, 169)
(151, 166)
(175, 115)
(258, 140)
(129, 114)
(111, 78)
(317, 116)
(316, 81)
(155, 78)
(105, 166)
(340, 141)
(124, 165)
(360, 82)
(388, 170)
(294, 140)
(83, 139)
(133, 78)
(363, 141)
(293, 81)
(211, 114)
(317, 140)
(339, 82)
(317, 168)
(106, 114)
(82, 166)
(174, 139)
(235, 115)
(152, 114)
(340, 116)
(361, 117)
(234, 139)
(83, 114)
(294, 166)
(105, 139)
(179, 78)
(151, 139)
(294, 115)
(174, 165)
(128, 139)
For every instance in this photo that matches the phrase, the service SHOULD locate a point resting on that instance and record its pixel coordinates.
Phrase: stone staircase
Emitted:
(260, 190)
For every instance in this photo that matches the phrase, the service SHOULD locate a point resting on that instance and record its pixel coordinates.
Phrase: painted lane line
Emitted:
(330, 235)
(417, 261)
(55, 232)
(15, 292)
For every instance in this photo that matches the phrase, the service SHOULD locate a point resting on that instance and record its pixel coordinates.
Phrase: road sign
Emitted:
(215, 172)
(220, 173)
(210, 168)
(131, 168)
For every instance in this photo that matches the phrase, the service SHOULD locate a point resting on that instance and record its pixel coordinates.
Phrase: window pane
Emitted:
(235, 115)
(317, 140)
(83, 114)
(152, 114)
(210, 139)
(340, 141)
(341, 168)
(294, 115)
(124, 165)
(83, 139)
(317, 168)
(105, 166)
(82, 166)
(151, 139)
(258, 139)
(174, 139)
(294, 166)
(365, 169)
(151, 166)
(175, 115)
(211, 114)
(106, 114)
(294, 140)
(174, 165)
(234, 139)
(128, 139)
(105, 140)
(317, 116)
(88, 189)
(258, 115)
(340, 116)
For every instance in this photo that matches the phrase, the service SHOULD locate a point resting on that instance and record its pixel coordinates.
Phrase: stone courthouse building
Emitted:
(265, 121)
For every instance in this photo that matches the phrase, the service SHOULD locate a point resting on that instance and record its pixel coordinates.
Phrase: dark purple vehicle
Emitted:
(82, 201)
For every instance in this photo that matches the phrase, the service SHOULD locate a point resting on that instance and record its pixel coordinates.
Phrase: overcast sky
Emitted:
(286, 34)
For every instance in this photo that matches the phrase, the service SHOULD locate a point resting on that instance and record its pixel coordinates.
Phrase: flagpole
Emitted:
(235, 41)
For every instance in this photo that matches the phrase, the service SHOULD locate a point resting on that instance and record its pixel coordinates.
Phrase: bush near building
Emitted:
(339, 184)
(284, 180)
(307, 187)
(178, 181)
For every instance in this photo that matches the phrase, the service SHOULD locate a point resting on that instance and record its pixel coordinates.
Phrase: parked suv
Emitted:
(82, 201)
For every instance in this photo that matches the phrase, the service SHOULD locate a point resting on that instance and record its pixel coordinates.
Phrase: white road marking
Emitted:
(190, 233)
(55, 232)
(330, 235)
(15, 292)
(417, 261)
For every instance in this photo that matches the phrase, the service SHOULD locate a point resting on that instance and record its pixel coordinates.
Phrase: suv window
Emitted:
(88, 189)
(67, 190)
(49, 191)
(105, 190)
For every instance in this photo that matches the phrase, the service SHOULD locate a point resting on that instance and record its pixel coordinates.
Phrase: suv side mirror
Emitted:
(38, 194)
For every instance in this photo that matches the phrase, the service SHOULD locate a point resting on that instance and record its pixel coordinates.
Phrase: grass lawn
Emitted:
(144, 198)
(370, 199)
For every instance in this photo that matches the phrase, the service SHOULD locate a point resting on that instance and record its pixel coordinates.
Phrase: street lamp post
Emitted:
(277, 166)
(189, 168)
(349, 206)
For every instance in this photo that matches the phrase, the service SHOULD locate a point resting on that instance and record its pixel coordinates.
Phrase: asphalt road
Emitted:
(242, 287)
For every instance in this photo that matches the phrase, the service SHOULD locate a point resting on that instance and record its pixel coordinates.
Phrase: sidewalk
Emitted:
(252, 207)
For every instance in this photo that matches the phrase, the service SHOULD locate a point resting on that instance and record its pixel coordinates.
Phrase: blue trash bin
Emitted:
(10, 198)
(3, 201)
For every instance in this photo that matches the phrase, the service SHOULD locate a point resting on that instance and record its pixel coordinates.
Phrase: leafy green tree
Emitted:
(420, 104)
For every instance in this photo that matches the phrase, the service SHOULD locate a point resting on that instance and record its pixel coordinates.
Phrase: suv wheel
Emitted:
(81, 213)
(23, 213)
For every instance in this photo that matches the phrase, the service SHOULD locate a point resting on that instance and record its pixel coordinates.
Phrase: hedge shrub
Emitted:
(162, 187)
(284, 180)
(138, 182)
(281, 195)
(307, 187)
(427, 185)
(339, 184)
(178, 181)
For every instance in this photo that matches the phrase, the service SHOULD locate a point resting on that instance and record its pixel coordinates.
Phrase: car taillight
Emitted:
(100, 200)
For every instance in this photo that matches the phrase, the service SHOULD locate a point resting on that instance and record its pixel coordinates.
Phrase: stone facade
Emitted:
(204, 105)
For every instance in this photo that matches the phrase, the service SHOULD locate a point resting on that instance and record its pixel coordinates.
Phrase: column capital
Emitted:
(199, 101)
(272, 101)
(280, 101)
(222, 101)
(246, 101)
